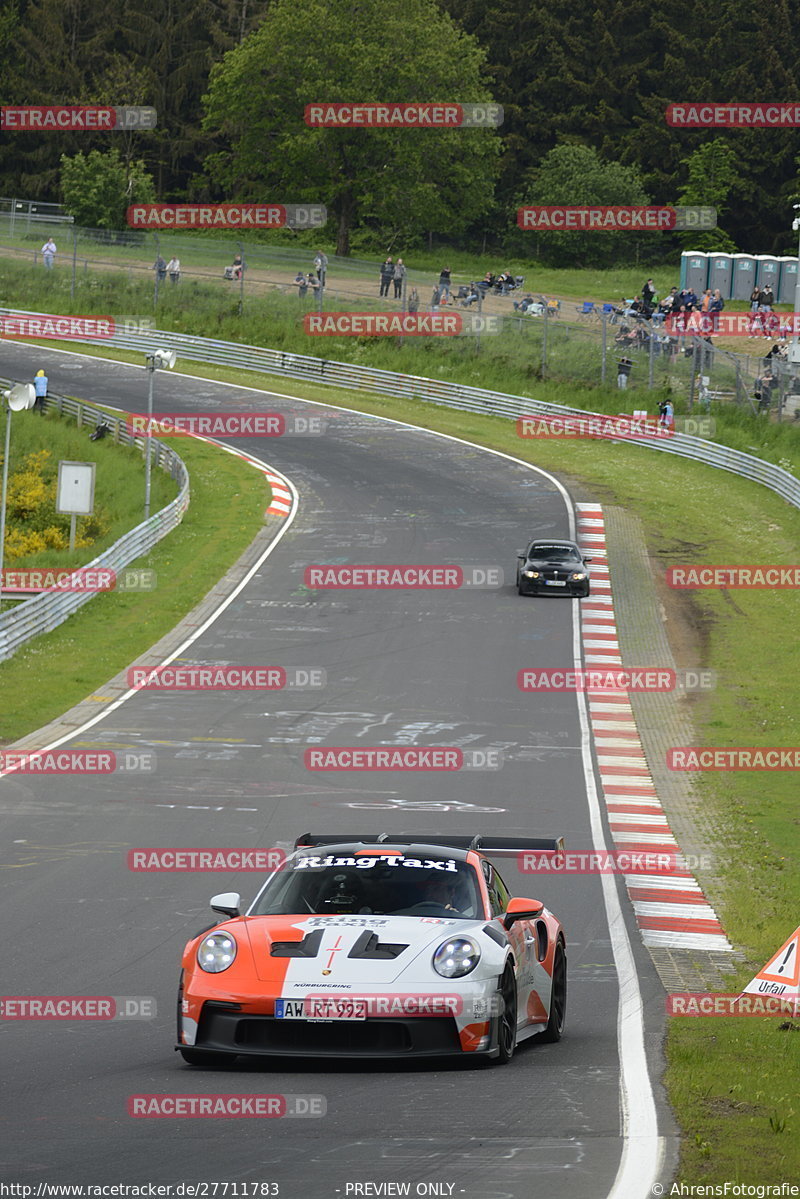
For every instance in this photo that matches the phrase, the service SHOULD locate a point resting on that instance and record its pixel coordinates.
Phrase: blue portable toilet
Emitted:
(788, 281)
(769, 272)
(694, 270)
(744, 276)
(720, 274)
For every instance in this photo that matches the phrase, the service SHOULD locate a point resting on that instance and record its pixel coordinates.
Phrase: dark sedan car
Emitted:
(552, 567)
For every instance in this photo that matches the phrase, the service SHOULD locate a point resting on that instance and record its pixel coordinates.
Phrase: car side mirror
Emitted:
(521, 554)
(521, 909)
(588, 559)
(227, 903)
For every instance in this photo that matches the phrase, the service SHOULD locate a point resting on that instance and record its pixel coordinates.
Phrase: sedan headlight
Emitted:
(579, 576)
(531, 574)
(216, 952)
(456, 957)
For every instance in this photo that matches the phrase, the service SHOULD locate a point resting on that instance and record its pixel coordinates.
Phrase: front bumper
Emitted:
(223, 1030)
(578, 589)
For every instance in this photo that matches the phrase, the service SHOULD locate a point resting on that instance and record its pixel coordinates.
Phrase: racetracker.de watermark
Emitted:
(226, 1107)
(731, 324)
(613, 678)
(386, 115)
(694, 114)
(431, 757)
(183, 861)
(398, 577)
(710, 1003)
(65, 328)
(758, 578)
(226, 216)
(596, 427)
(399, 324)
(614, 861)
(223, 424)
(691, 757)
(591, 218)
(73, 761)
(75, 118)
(78, 1007)
(223, 678)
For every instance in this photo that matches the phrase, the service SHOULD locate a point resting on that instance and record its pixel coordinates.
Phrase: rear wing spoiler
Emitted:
(493, 846)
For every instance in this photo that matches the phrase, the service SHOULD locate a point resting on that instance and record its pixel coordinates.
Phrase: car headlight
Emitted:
(531, 574)
(579, 576)
(456, 957)
(216, 952)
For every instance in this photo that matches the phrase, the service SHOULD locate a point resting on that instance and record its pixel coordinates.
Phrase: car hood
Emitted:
(350, 951)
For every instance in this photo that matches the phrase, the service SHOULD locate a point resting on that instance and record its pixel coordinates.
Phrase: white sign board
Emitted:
(75, 488)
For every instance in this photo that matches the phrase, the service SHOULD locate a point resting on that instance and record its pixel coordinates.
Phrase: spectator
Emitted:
(49, 253)
(238, 267)
(623, 370)
(399, 276)
(715, 308)
(413, 300)
(40, 387)
(321, 266)
(174, 269)
(444, 282)
(705, 303)
(487, 282)
(302, 284)
(649, 295)
(668, 302)
(387, 274)
(755, 299)
(766, 299)
(160, 268)
(666, 415)
(313, 281)
(474, 295)
(505, 281)
(435, 299)
(525, 304)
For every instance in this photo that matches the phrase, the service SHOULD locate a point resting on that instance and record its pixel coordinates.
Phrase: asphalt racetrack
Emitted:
(403, 667)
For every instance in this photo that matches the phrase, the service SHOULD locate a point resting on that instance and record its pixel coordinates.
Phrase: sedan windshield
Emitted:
(371, 884)
(554, 553)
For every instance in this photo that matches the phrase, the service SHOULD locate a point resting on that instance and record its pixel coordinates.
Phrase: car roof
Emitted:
(572, 545)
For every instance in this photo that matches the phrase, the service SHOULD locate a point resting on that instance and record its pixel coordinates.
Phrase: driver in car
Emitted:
(441, 889)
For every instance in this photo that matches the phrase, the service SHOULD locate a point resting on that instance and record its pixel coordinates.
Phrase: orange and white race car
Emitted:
(379, 947)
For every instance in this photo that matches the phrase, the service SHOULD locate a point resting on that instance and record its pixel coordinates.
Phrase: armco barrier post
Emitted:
(605, 348)
(544, 342)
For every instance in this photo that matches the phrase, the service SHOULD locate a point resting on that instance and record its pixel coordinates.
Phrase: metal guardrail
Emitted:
(45, 612)
(437, 391)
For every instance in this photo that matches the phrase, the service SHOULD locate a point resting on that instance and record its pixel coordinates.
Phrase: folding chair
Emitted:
(586, 309)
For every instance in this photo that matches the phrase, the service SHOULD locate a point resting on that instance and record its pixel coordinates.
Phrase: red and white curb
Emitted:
(671, 910)
(281, 502)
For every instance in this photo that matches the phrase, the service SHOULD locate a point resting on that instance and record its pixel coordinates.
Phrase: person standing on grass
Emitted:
(174, 269)
(160, 268)
(387, 274)
(40, 387)
(321, 266)
(444, 282)
(399, 276)
(49, 253)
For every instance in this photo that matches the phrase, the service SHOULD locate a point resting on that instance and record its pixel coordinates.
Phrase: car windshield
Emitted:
(554, 553)
(372, 884)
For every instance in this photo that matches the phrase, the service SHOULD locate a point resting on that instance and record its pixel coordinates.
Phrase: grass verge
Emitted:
(228, 500)
(733, 1082)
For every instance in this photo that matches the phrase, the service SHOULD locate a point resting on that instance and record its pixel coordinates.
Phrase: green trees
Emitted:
(574, 174)
(98, 187)
(389, 180)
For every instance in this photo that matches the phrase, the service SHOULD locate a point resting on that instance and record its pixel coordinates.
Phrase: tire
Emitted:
(558, 1001)
(519, 589)
(507, 1020)
(206, 1059)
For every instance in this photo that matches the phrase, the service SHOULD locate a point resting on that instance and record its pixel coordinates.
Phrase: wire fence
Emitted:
(42, 613)
(447, 393)
(584, 343)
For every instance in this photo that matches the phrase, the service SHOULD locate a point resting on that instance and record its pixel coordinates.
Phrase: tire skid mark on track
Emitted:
(671, 910)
